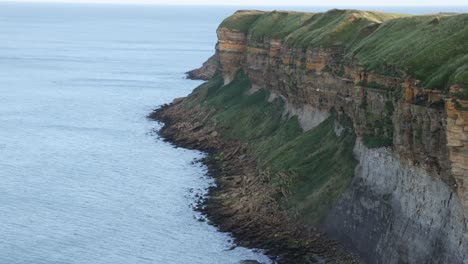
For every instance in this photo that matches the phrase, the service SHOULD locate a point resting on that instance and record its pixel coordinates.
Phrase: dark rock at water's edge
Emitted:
(227, 205)
(248, 261)
(206, 71)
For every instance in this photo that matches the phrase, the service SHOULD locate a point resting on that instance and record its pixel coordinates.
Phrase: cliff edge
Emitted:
(354, 123)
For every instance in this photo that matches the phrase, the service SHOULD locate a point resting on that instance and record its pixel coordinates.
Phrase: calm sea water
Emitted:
(82, 180)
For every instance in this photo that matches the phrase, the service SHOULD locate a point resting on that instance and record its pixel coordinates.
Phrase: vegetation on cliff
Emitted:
(241, 20)
(336, 28)
(277, 24)
(301, 165)
(280, 119)
(431, 48)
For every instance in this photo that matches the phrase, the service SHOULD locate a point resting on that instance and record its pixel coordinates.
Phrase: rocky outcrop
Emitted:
(408, 200)
(298, 77)
(231, 50)
(241, 202)
(457, 142)
(206, 71)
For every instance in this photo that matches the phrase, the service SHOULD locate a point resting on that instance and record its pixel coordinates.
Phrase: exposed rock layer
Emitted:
(408, 201)
(421, 130)
(398, 213)
(242, 202)
(206, 71)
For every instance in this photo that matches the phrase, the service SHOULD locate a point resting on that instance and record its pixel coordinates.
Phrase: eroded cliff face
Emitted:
(231, 50)
(457, 143)
(418, 122)
(206, 71)
(394, 212)
(351, 122)
(408, 201)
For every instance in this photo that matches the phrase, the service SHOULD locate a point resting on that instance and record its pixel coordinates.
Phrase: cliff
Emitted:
(356, 123)
(206, 71)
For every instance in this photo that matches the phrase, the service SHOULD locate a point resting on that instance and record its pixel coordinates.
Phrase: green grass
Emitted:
(434, 52)
(241, 20)
(432, 48)
(336, 28)
(318, 163)
(277, 24)
(319, 166)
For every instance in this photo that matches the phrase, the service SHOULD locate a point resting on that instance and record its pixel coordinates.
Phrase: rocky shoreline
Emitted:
(308, 131)
(242, 203)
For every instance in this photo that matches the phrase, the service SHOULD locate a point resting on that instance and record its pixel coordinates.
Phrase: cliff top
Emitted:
(241, 20)
(431, 48)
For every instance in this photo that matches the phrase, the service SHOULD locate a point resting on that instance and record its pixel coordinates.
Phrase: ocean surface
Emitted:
(83, 178)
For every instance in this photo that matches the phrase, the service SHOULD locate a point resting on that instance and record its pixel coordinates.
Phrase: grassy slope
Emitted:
(336, 28)
(303, 165)
(432, 47)
(241, 20)
(277, 24)
(313, 181)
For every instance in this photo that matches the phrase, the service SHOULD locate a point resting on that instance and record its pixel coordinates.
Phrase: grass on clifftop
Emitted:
(241, 20)
(310, 170)
(432, 48)
(277, 24)
(336, 28)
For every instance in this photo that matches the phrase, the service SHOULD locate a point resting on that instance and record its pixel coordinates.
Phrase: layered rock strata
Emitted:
(408, 200)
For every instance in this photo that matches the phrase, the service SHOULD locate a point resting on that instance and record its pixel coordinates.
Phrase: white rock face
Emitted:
(397, 212)
(307, 115)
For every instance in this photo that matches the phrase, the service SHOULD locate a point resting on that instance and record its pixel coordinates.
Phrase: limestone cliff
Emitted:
(396, 85)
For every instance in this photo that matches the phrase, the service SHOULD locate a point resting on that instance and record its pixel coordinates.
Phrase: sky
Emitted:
(271, 2)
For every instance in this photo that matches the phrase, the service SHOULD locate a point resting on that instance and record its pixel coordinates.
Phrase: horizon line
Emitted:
(206, 4)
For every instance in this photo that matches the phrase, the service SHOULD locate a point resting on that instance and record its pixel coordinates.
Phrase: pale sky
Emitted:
(271, 2)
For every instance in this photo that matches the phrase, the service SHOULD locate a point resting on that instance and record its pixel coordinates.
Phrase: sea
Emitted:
(84, 178)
